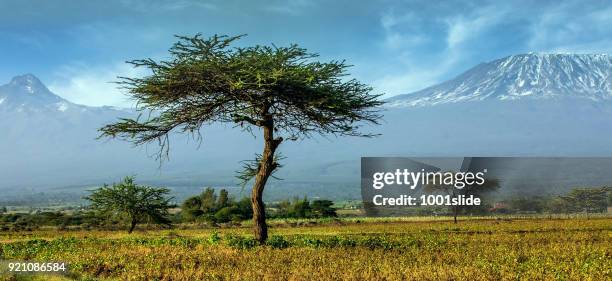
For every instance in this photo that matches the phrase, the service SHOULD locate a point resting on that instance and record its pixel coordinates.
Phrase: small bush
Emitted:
(239, 242)
(277, 242)
(347, 242)
(312, 242)
(214, 238)
(377, 242)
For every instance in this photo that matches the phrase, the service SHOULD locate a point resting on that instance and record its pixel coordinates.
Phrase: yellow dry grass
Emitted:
(527, 249)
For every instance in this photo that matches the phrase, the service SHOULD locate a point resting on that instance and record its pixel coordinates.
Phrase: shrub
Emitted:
(214, 238)
(377, 242)
(277, 242)
(225, 214)
(239, 242)
(312, 242)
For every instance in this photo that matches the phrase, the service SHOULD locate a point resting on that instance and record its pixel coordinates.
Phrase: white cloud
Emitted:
(94, 86)
(404, 35)
(406, 82)
(290, 7)
(147, 6)
(181, 5)
(463, 28)
(572, 27)
(396, 39)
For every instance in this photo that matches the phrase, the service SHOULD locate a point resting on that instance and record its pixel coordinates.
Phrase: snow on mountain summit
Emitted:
(526, 76)
(28, 82)
(27, 92)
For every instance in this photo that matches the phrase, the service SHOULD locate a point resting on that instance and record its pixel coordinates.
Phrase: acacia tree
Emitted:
(136, 203)
(589, 200)
(439, 186)
(280, 92)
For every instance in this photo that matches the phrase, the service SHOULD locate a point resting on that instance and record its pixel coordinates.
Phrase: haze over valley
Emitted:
(522, 105)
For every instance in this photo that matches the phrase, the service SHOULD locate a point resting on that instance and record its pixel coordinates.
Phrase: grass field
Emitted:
(370, 249)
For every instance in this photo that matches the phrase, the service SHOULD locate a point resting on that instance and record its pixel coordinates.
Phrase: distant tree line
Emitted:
(216, 209)
(127, 204)
(213, 208)
(303, 208)
(30, 221)
(578, 200)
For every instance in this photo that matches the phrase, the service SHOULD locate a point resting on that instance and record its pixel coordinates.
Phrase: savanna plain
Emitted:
(333, 249)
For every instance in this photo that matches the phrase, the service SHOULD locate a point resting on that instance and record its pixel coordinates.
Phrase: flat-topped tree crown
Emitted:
(280, 90)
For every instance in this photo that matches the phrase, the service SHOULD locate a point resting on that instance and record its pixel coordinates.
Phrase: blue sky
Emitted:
(78, 47)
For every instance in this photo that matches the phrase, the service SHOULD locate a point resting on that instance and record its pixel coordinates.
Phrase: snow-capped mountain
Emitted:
(26, 92)
(516, 108)
(49, 142)
(520, 77)
(43, 136)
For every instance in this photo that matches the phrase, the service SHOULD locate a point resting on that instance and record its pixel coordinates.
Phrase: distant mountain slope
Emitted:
(48, 143)
(27, 90)
(46, 140)
(527, 76)
(525, 105)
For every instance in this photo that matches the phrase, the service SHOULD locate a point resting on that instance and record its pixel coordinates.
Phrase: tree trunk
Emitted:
(455, 208)
(132, 226)
(266, 167)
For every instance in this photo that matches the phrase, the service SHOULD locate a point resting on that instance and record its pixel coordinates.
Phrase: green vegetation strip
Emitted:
(576, 249)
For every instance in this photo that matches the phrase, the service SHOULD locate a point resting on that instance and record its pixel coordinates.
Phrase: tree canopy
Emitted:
(489, 185)
(208, 81)
(136, 203)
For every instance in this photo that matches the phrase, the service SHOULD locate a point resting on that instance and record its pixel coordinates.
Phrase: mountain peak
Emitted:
(523, 76)
(27, 91)
(30, 83)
